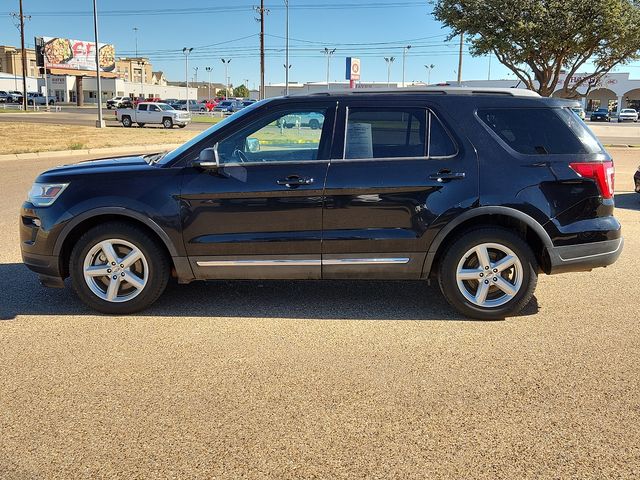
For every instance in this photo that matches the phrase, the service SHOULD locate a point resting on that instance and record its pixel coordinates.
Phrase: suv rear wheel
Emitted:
(488, 273)
(118, 268)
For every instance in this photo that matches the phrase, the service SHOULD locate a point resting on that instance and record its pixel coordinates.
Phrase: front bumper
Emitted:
(584, 257)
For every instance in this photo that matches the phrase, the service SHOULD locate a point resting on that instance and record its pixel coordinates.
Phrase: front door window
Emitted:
(289, 136)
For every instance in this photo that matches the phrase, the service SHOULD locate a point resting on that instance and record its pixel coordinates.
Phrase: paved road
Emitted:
(318, 379)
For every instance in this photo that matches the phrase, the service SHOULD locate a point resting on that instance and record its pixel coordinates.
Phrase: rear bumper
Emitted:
(584, 257)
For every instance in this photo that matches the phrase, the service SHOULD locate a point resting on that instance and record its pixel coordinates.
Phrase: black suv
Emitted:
(480, 189)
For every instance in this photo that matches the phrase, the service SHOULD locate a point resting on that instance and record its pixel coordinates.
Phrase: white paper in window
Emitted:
(359, 141)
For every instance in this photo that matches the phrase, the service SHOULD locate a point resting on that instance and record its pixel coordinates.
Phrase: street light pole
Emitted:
(460, 60)
(100, 122)
(389, 61)
(429, 67)
(196, 76)
(208, 69)
(186, 52)
(226, 78)
(328, 53)
(404, 56)
(286, 61)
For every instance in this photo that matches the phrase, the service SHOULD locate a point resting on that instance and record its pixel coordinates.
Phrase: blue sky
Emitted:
(368, 29)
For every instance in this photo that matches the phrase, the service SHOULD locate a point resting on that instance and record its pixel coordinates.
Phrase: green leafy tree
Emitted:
(241, 91)
(539, 40)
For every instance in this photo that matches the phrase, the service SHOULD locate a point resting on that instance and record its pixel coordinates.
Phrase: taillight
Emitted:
(602, 172)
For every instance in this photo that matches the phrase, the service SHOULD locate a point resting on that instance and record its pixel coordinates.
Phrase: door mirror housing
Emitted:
(208, 159)
(252, 145)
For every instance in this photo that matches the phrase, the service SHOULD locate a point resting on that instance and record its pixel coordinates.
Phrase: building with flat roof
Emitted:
(614, 91)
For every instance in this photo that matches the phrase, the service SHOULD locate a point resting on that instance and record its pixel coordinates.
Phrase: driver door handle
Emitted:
(293, 181)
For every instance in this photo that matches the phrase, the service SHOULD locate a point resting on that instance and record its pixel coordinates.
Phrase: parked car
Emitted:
(311, 119)
(480, 190)
(169, 101)
(628, 115)
(16, 96)
(194, 106)
(35, 98)
(228, 106)
(117, 102)
(4, 96)
(636, 180)
(152, 113)
(600, 115)
(579, 111)
(246, 103)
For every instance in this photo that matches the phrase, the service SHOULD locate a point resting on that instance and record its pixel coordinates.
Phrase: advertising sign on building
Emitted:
(69, 54)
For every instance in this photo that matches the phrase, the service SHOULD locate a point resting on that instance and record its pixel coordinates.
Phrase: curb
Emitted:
(620, 145)
(161, 147)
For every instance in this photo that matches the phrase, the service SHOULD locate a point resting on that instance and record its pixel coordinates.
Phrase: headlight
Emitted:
(44, 194)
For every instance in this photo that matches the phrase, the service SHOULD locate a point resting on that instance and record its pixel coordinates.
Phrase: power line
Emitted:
(231, 9)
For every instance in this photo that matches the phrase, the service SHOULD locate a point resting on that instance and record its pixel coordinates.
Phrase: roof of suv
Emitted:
(514, 92)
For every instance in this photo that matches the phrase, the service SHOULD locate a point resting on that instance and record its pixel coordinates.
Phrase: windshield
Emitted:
(628, 110)
(209, 131)
(164, 106)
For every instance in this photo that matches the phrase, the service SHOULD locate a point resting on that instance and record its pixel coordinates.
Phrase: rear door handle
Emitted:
(446, 175)
(293, 181)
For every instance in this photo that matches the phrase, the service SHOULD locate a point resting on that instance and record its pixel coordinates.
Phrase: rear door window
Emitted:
(385, 133)
(540, 131)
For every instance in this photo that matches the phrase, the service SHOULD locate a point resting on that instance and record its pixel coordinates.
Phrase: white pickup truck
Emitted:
(151, 112)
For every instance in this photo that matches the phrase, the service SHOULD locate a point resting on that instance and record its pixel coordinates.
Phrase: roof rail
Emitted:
(514, 92)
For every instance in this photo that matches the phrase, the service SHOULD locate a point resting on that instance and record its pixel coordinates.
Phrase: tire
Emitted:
(181, 126)
(141, 124)
(126, 121)
(314, 124)
(167, 123)
(520, 278)
(51, 102)
(151, 270)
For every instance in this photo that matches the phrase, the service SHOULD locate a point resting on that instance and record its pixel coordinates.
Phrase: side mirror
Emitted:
(208, 159)
(252, 145)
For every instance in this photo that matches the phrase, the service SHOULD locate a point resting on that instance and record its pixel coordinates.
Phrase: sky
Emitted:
(366, 29)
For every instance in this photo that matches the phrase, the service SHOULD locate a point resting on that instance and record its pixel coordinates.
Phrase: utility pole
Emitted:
(196, 76)
(100, 122)
(186, 52)
(24, 60)
(262, 12)
(208, 69)
(429, 68)
(389, 61)
(226, 78)
(328, 53)
(286, 60)
(460, 60)
(404, 55)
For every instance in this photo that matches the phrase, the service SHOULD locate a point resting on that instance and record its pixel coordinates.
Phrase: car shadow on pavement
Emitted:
(303, 299)
(628, 200)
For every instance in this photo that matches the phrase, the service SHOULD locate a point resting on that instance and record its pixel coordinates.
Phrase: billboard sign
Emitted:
(69, 54)
(353, 68)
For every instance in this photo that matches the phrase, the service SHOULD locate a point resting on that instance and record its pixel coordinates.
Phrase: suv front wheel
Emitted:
(118, 268)
(488, 273)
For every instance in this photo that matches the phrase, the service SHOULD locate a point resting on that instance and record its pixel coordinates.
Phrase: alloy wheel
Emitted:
(489, 275)
(116, 270)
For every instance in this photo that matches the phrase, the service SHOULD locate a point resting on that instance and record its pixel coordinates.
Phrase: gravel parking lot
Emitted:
(320, 380)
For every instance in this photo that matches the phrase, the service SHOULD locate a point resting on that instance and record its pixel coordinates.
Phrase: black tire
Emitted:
(157, 260)
(167, 122)
(457, 250)
(51, 102)
(126, 121)
(314, 124)
(182, 126)
(141, 124)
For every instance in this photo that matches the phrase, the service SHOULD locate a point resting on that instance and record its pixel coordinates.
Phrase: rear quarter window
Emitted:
(540, 131)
